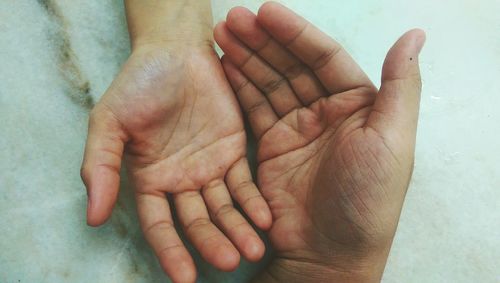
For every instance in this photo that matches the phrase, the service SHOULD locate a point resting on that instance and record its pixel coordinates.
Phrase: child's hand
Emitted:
(174, 117)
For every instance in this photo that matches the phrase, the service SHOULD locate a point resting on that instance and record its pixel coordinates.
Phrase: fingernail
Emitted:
(255, 250)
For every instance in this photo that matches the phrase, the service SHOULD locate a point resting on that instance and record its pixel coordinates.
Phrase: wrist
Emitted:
(352, 270)
(171, 24)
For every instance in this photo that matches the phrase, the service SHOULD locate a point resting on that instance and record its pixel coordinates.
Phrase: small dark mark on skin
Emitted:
(411, 58)
(78, 86)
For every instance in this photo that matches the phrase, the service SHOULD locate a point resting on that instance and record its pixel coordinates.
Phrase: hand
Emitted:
(335, 154)
(174, 117)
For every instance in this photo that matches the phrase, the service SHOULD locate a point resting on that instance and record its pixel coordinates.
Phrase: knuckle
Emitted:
(256, 106)
(223, 210)
(242, 186)
(325, 57)
(162, 225)
(256, 197)
(272, 84)
(239, 89)
(293, 71)
(196, 224)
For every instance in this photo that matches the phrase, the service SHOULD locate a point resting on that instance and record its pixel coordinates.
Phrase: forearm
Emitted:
(172, 22)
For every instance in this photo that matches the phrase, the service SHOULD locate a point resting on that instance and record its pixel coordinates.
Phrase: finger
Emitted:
(271, 83)
(243, 190)
(330, 62)
(232, 223)
(243, 23)
(396, 107)
(100, 170)
(157, 225)
(213, 246)
(257, 108)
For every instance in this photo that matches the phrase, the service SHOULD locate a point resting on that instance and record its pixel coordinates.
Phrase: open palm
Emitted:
(335, 154)
(176, 121)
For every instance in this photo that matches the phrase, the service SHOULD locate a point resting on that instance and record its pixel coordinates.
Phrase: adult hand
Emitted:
(335, 154)
(173, 117)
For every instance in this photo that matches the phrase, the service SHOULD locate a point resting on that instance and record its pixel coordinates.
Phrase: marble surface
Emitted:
(58, 56)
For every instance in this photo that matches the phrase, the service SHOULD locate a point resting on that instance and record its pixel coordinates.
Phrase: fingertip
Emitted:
(416, 37)
(413, 40)
(236, 13)
(267, 9)
(183, 270)
(92, 221)
(254, 249)
(98, 213)
(260, 214)
(402, 59)
(420, 38)
(219, 25)
(239, 17)
(265, 219)
(102, 191)
(227, 258)
(243, 24)
(96, 220)
(218, 31)
(280, 22)
(186, 275)
(418, 32)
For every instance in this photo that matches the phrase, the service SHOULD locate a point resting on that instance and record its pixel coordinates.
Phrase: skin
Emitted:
(172, 117)
(335, 153)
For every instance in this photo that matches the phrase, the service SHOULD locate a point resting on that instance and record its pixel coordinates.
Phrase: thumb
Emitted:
(101, 164)
(395, 112)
